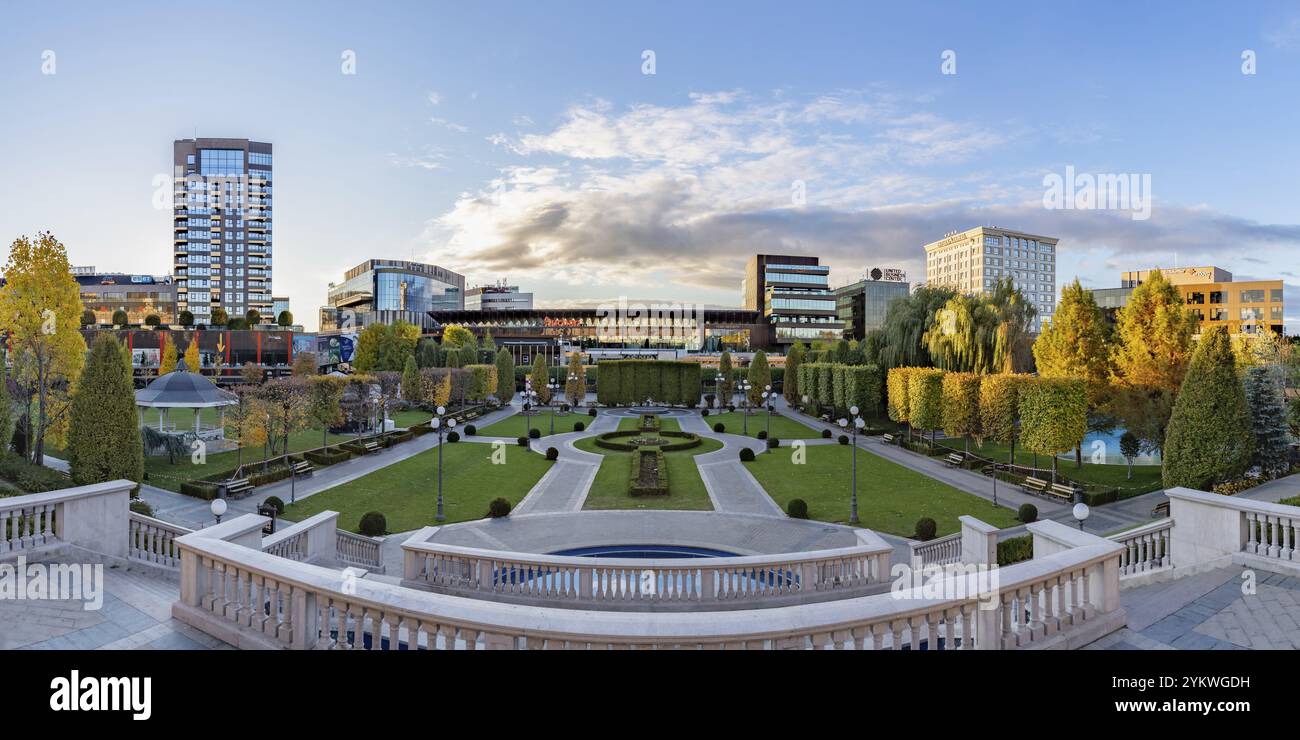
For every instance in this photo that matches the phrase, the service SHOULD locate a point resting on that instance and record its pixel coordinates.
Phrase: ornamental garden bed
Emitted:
(649, 474)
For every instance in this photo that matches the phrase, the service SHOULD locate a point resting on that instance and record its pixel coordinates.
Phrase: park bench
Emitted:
(955, 459)
(372, 446)
(1034, 485)
(237, 486)
(1062, 491)
(887, 439)
(1161, 509)
(302, 468)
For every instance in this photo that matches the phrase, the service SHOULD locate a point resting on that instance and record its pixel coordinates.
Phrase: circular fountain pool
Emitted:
(645, 552)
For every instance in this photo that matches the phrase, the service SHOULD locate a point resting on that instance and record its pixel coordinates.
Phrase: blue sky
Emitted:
(521, 140)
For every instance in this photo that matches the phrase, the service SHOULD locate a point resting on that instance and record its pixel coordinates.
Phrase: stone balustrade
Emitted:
(93, 517)
(154, 541)
(639, 583)
(1146, 549)
(359, 550)
(250, 598)
(1211, 530)
(939, 551)
(312, 539)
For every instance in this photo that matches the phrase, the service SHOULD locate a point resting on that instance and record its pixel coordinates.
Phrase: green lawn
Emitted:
(685, 489)
(631, 423)
(406, 493)
(782, 427)
(161, 473)
(517, 426)
(408, 419)
(891, 498)
(1146, 477)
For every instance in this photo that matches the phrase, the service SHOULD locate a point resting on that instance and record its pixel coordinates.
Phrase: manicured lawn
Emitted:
(891, 498)
(161, 473)
(685, 489)
(782, 427)
(1145, 477)
(630, 423)
(410, 418)
(406, 493)
(517, 426)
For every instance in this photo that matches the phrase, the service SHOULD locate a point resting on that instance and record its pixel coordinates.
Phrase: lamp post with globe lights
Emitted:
(442, 427)
(552, 387)
(857, 424)
(768, 398)
(743, 386)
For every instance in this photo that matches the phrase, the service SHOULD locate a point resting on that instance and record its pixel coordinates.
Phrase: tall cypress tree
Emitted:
(790, 382)
(1210, 439)
(1268, 421)
(505, 363)
(104, 434)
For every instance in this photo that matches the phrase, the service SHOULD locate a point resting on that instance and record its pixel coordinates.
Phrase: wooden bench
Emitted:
(302, 468)
(372, 446)
(238, 486)
(1034, 485)
(955, 459)
(887, 439)
(1161, 509)
(1062, 491)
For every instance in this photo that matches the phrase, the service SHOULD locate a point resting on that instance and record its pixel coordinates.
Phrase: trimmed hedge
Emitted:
(328, 456)
(629, 382)
(797, 509)
(1015, 549)
(206, 490)
(660, 487)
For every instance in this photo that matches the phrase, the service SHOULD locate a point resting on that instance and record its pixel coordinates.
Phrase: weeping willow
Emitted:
(902, 343)
(986, 333)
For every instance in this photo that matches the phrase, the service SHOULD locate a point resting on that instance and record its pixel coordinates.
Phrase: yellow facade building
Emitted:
(1244, 307)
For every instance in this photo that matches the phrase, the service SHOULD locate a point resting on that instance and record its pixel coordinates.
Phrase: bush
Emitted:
(1233, 487)
(719, 427)
(327, 456)
(579, 426)
(453, 436)
(925, 529)
(470, 430)
(141, 506)
(28, 477)
(843, 439)
(522, 441)
(773, 443)
(746, 454)
(826, 434)
(276, 503)
(1015, 549)
(552, 453)
(373, 524)
(1027, 513)
(591, 413)
(762, 434)
(797, 508)
(498, 508)
(206, 490)
(534, 433)
(704, 412)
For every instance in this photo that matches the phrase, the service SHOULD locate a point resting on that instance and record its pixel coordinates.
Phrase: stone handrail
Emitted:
(359, 550)
(154, 541)
(252, 599)
(1212, 529)
(939, 551)
(1146, 548)
(312, 538)
(93, 517)
(622, 582)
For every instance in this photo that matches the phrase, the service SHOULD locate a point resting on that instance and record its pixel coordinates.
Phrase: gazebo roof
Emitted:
(183, 389)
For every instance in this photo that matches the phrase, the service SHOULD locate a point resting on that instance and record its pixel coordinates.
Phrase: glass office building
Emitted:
(793, 294)
(386, 291)
(862, 305)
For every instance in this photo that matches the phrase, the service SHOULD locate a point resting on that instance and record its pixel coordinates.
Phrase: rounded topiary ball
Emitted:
(1027, 513)
(719, 427)
(826, 434)
(762, 434)
(275, 502)
(453, 436)
(373, 524)
(746, 454)
(522, 441)
(704, 412)
(843, 439)
(470, 430)
(498, 508)
(534, 433)
(773, 443)
(591, 413)
(552, 453)
(578, 426)
(797, 508)
(925, 528)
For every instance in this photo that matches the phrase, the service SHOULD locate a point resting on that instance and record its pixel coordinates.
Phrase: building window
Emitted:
(1216, 296)
(1252, 296)
(1275, 295)
(1196, 298)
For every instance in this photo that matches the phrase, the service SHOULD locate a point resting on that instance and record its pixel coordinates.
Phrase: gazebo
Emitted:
(185, 390)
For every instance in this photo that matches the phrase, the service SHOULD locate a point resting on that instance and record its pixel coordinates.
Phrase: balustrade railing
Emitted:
(154, 541)
(359, 550)
(940, 551)
(1146, 548)
(25, 525)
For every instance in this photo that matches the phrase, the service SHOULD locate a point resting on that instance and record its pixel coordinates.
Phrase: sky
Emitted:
(529, 142)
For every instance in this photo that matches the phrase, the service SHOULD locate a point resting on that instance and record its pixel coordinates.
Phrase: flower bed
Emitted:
(649, 474)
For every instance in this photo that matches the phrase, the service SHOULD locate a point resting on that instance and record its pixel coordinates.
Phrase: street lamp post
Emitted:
(528, 404)
(552, 387)
(767, 402)
(573, 381)
(1081, 512)
(744, 387)
(437, 423)
(218, 507)
(858, 423)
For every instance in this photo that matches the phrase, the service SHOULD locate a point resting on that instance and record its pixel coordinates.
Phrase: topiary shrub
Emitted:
(552, 453)
(579, 426)
(773, 443)
(843, 439)
(453, 436)
(1015, 549)
(277, 503)
(797, 508)
(498, 508)
(373, 524)
(746, 454)
(826, 434)
(719, 427)
(925, 529)
(704, 412)
(591, 413)
(140, 506)
(1027, 513)
(522, 441)
(470, 430)
(762, 434)
(534, 434)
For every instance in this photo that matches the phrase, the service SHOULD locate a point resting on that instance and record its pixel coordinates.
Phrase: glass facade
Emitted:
(384, 291)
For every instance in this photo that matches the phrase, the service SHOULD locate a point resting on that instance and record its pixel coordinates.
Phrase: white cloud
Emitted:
(434, 98)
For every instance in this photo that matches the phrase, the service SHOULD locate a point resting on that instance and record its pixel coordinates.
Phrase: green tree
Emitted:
(169, 359)
(324, 401)
(575, 385)
(540, 377)
(192, 355)
(1000, 408)
(219, 317)
(120, 318)
(790, 385)
(505, 362)
(906, 322)
(961, 406)
(284, 319)
(253, 317)
(925, 399)
(427, 353)
(1076, 344)
(1268, 421)
(760, 377)
(103, 431)
(898, 396)
(411, 391)
(304, 364)
(1153, 336)
(88, 318)
(385, 347)
(1053, 415)
(1210, 438)
(1130, 447)
(40, 310)
(456, 335)
(185, 319)
(7, 416)
(152, 321)
(726, 379)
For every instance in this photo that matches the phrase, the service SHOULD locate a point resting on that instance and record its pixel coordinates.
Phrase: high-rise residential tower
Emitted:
(972, 261)
(222, 215)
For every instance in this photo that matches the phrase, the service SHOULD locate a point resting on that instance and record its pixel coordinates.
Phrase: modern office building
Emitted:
(222, 215)
(140, 296)
(862, 305)
(793, 295)
(499, 297)
(972, 261)
(279, 304)
(386, 291)
(1244, 307)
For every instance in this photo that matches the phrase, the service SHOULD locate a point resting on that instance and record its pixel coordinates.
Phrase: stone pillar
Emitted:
(979, 541)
